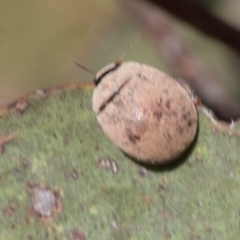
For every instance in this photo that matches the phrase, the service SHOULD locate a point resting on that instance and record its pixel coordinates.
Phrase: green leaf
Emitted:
(54, 184)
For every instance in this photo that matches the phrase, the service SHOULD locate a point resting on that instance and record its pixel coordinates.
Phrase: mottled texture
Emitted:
(57, 142)
(145, 112)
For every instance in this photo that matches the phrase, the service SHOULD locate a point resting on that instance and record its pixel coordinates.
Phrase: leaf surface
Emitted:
(51, 142)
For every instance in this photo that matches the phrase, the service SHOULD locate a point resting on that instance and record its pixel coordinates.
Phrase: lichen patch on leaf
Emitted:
(109, 164)
(76, 234)
(45, 201)
(10, 210)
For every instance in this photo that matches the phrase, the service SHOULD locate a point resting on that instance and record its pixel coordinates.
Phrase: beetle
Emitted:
(145, 112)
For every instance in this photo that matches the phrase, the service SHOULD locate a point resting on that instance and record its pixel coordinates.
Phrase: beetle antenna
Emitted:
(84, 68)
(130, 45)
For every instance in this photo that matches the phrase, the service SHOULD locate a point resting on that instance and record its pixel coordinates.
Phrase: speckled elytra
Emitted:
(145, 112)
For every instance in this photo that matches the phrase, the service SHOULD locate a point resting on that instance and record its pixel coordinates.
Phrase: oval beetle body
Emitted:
(145, 112)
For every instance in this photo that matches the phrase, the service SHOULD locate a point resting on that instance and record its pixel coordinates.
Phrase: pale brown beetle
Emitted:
(145, 112)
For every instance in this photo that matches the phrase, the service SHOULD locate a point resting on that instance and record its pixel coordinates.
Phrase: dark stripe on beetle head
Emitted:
(98, 80)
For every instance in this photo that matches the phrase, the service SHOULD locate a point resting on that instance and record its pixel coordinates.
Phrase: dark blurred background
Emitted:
(40, 40)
